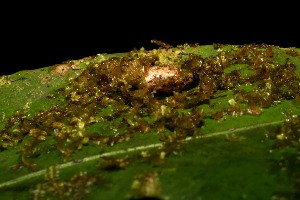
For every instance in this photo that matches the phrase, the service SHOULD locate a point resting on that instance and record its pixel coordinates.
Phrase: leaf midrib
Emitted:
(39, 173)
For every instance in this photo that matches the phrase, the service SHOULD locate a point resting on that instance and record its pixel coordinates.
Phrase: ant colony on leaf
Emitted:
(159, 91)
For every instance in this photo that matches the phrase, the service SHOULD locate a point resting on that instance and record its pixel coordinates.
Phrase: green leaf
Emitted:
(187, 122)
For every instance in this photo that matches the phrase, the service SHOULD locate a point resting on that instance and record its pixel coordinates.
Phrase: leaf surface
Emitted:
(98, 128)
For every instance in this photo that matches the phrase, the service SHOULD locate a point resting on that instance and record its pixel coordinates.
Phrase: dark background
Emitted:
(36, 38)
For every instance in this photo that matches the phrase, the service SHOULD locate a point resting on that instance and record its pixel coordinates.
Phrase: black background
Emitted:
(46, 35)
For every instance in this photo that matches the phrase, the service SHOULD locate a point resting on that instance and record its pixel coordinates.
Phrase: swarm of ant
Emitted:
(77, 187)
(158, 90)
